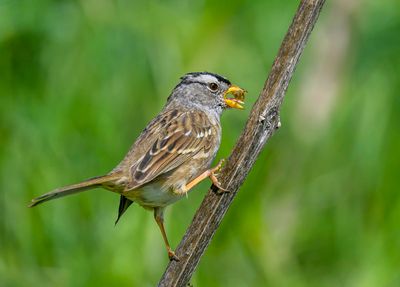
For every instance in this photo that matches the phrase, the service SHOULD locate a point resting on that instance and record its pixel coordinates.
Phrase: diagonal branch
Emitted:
(263, 121)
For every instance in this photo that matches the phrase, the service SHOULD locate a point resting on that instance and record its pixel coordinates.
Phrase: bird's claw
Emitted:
(218, 167)
(221, 190)
(216, 183)
(172, 256)
(214, 179)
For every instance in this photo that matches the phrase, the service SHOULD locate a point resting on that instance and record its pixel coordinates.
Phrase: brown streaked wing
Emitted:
(182, 137)
(146, 138)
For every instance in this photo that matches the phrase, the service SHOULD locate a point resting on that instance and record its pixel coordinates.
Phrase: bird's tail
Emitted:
(74, 188)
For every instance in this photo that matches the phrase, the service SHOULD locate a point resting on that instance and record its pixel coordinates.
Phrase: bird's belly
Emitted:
(153, 195)
(168, 189)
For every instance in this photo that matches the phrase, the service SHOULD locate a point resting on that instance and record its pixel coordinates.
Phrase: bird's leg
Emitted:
(208, 173)
(159, 217)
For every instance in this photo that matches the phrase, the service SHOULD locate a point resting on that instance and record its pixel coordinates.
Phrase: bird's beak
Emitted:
(237, 101)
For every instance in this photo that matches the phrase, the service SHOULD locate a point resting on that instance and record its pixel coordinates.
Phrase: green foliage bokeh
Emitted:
(80, 79)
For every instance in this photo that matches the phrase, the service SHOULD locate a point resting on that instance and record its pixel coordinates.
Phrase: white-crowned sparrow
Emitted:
(173, 153)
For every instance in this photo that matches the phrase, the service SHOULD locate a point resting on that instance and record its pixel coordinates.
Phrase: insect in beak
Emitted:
(237, 101)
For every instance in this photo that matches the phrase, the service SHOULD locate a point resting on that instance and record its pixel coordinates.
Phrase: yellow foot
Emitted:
(172, 256)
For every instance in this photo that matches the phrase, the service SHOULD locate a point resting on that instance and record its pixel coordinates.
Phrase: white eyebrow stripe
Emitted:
(206, 78)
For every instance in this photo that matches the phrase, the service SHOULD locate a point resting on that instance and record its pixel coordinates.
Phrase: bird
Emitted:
(173, 153)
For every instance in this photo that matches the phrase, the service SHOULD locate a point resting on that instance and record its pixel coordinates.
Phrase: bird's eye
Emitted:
(213, 87)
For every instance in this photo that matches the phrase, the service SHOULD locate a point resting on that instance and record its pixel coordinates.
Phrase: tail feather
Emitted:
(74, 188)
(124, 203)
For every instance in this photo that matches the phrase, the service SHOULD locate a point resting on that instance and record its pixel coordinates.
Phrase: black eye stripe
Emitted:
(195, 82)
(187, 82)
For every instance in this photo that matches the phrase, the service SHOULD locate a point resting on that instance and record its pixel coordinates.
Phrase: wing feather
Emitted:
(181, 137)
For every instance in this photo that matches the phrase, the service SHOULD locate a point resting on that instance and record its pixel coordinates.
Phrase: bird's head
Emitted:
(207, 90)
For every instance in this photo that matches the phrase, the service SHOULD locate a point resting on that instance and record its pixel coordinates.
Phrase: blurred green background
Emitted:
(80, 79)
